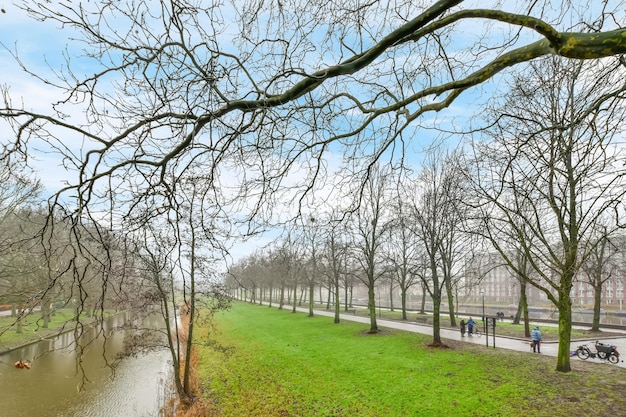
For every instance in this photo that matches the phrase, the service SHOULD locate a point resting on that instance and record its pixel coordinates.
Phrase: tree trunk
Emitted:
(436, 316)
(295, 297)
(311, 297)
(302, 295)
(518, 312)
(19, 327)
(191, 312)
(281, 302)
(403, 301)
(351, 294)
(45, 312)
(451, 308)
(371, 304)
(337, 300)
(597, 303)
(331, 293)
(271, 289)
(173, 341)
(565, 333)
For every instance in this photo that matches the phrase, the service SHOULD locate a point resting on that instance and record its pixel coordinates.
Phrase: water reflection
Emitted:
(138, 387)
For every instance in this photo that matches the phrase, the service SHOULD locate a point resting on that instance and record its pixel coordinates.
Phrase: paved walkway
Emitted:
(522, 345)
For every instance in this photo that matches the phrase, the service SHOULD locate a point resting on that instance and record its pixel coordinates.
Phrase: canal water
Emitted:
(137, 387)
(579, 315)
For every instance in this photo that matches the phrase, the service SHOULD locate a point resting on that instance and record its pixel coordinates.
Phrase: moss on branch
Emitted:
(592, 45)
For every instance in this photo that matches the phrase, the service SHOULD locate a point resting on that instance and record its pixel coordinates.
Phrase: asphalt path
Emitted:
(522, 345)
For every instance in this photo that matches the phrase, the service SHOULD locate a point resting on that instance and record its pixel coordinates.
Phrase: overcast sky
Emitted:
(40, 45)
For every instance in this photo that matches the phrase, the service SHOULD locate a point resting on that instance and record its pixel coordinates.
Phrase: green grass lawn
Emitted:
(31, 328)
(262, 361)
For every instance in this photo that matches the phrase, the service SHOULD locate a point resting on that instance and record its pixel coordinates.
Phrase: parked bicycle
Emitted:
(604, 351)
(477, 331)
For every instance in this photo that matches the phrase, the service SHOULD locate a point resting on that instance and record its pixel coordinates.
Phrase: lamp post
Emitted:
(483, 294)
(485, 326)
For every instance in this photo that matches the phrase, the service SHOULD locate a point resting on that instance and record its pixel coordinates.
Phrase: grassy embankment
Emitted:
(266, 362)
(31, 328)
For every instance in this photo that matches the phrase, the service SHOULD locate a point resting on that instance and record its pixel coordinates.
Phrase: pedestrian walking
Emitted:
(463, 324)
(470, 326)
(537, 338)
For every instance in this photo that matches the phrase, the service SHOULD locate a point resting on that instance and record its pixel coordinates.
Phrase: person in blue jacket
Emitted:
(470, 326)
(537, 338)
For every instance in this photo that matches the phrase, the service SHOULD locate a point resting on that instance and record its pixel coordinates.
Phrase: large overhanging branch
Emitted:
(569, 45)
(313, 81)
(433, 19)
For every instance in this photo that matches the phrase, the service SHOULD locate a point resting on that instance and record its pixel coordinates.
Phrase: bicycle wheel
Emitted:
(582, 353)
(613, 358)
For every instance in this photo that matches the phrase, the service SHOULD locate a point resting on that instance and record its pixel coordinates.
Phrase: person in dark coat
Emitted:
(463, 324)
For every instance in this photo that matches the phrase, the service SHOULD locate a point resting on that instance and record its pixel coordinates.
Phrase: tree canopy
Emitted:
(258, 91)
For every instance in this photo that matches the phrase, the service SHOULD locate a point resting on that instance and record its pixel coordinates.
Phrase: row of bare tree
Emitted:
(52, 261)
(542, 185)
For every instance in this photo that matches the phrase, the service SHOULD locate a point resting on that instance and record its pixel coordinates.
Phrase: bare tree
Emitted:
(370, 227)
(522, 272)
(403, 248)
(20, 225)
(435, 209)
(178, 254)
(244, 276)
(455, 247)
(600, 266)
(551, 172)
(292, 260)
(310, 239)
(156, 250)
(289, 266)
(334, 255)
